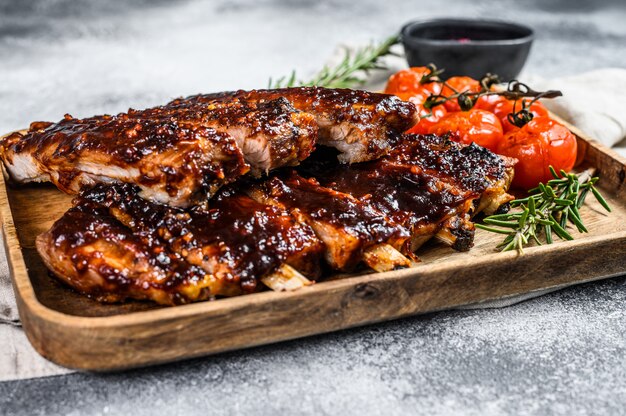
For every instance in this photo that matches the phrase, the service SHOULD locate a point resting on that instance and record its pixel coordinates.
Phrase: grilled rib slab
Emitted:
(428, 184)
(416, 201)
(186, 150)
(471, 169)
(114, 245)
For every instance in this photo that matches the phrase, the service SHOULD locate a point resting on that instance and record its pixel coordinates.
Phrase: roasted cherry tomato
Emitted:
(459, 84)
(506, 107)
(427, 117)
(537, 145)
(488, 102)
(408, 81)
(478, 126)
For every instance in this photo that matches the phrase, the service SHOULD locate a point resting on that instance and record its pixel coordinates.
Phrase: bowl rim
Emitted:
(469, 21)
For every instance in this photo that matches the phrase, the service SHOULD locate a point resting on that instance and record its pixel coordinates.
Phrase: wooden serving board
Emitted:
(77, 332)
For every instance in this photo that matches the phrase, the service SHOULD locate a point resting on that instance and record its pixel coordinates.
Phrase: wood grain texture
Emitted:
(77, 332)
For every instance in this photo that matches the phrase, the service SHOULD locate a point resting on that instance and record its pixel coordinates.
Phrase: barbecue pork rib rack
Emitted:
(431, 185)
(282, 231)
(114, 245)
(225, 194)
(170, 163)
(181, 153)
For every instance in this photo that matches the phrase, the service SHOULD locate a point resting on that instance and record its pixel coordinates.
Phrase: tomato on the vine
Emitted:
(458, 84)
(409, 81)
(506, 107)
(478, 126)
(541, 143)
(427, 117)
(488, 102)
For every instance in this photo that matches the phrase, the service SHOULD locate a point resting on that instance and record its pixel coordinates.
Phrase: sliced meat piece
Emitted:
(184, 151)
(346, 226)
(173, 164)
(91, 251)
(361, 125)
(271, 134)
(459, 168)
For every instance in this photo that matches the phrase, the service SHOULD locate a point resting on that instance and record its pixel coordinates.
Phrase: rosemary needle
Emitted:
(346, 73)
(547, 210)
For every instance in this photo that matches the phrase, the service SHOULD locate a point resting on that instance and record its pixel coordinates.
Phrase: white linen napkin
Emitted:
(592, 101)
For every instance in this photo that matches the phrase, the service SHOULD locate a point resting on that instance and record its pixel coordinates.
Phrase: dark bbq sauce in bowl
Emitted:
(468, 47)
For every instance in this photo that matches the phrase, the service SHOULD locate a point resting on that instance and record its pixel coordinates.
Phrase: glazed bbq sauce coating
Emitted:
(235, 238)
(369, 120)
(93, 252)
(346, 225)
(405, 195)
(467, 167)
(461, 168)
(172, 162)
(271, 134)
(334, 104)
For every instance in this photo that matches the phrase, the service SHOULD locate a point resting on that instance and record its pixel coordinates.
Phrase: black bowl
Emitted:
(468, 47)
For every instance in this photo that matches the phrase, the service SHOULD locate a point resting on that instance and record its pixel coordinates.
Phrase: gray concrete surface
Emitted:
(563, 353)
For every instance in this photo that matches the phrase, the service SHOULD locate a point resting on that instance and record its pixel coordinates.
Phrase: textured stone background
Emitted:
(563, 353)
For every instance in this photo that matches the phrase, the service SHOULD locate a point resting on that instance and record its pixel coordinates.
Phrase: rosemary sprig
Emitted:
(348, 73)
(547, 210)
